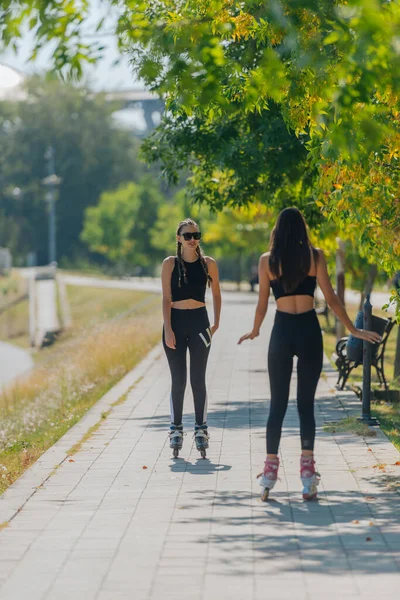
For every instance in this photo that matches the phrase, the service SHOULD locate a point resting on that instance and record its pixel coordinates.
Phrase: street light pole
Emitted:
(50, 182)
(52, 209)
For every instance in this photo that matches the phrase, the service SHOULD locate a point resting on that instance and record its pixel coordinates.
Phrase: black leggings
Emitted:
(294, 335)
(192, 330)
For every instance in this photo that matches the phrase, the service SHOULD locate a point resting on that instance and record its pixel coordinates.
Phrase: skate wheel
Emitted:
(203, 453)
(264, 495)
(309, 497)
(175, 452)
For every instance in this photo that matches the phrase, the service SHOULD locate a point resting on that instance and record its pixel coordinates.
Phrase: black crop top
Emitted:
(195, 288)
(305, 288)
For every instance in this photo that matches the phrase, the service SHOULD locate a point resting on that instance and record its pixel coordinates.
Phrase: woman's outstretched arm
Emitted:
(336, 305)
(263, 297)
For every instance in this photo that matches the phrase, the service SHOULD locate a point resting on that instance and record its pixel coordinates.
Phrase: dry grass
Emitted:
(350, 425)
(38, 409)
(14, 323)
(90, 305)
(11, 287)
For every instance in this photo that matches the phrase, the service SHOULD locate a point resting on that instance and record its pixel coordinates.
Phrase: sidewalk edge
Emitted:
(18, 494)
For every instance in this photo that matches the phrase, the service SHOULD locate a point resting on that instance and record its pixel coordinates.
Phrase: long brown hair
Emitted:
(290, 258)
(181, 263)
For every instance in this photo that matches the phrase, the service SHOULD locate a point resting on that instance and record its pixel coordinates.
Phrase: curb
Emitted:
(18, 494)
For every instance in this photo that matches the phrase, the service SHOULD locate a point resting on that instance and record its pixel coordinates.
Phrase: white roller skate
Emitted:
(309, 477)
(201, 438)
(176, 441)
(267, 479)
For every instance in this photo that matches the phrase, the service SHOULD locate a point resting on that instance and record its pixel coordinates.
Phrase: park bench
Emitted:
(345, 365)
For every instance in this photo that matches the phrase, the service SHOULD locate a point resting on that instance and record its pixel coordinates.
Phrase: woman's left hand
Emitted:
(214, 328)
(249, 336)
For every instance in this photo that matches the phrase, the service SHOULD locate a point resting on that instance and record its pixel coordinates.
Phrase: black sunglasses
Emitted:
(188, 235)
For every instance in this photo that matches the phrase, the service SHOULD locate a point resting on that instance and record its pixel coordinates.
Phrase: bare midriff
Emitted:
(187, 304)
(295, 304)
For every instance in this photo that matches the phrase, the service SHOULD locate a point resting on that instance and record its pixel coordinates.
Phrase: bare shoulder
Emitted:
(210, 260)
(264, 258)
(169, 259)
(320, 254)
(263, 265)
(169, 262)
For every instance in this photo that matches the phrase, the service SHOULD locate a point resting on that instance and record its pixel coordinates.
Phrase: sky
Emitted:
(103, 76)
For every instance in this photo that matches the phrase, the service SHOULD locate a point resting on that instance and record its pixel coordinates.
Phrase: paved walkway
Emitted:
(122, 520)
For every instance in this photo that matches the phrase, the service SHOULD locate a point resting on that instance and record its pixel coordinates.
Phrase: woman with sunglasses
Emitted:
(292, 268)
(186, 326)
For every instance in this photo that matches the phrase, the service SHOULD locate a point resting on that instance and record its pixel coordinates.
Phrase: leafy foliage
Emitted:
(332, 67)
(91, 155)
(118, 227)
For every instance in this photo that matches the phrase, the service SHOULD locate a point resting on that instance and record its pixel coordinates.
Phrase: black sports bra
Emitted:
(305, 288)
(195, 288)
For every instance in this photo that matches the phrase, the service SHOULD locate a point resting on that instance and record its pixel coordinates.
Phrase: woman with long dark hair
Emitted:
(292, 268)
(186, 326)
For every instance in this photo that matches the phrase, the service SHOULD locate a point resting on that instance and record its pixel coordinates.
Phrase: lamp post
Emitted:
(366, 416)
(51, 182)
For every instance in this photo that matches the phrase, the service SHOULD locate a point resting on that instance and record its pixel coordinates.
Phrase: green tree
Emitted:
(170, 213)
(233, 159)
(91, 155)
(119, 226)
(333, 68)
(239, 236)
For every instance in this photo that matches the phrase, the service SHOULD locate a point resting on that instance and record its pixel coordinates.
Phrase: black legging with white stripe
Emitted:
(192, 330)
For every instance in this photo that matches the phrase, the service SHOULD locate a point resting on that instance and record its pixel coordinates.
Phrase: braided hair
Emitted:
(181, 262)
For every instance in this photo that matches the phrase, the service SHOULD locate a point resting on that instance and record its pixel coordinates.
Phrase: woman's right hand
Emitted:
(170, 339)
(369, 336)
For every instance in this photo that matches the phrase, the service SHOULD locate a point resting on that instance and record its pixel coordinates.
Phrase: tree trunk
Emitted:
(369, 284)
(373, 272)
(340, 285)
(397, 356)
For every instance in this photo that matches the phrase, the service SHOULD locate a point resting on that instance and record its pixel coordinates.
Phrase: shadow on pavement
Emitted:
(335, 537)
(200, 467)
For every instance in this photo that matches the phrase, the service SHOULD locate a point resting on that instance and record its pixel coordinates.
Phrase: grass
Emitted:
(101, 347)
(14, 323)
(99, 304)
(387, 414)
(350, 425)
(389, 418)
(11, 287)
